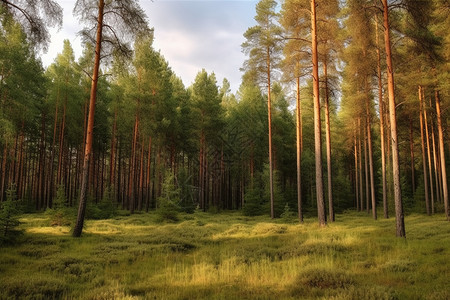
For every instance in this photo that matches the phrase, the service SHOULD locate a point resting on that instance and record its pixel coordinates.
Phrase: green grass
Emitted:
(229, 256)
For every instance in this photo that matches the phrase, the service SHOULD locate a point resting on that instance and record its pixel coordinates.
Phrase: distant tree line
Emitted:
(260, 149)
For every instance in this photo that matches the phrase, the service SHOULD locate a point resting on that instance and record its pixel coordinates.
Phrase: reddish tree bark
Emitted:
(399, 216)
(317, 127)
(90, 128)
(424, 161)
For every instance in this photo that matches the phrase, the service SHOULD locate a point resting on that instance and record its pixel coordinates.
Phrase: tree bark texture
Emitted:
(317, 127)
(90, 126)
(299, 152)
(328, 142)
(442, 155)
(424, 160)
(400, 223)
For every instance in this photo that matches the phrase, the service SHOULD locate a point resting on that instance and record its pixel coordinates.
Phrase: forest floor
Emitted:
(229, 256)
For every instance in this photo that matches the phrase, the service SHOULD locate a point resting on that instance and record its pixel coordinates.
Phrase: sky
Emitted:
(191, 34)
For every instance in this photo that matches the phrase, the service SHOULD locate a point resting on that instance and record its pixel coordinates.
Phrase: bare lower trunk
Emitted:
(424, 161)
(400, 223)
(147, 205)
(317, 127)
(356, 171)
(427, 136)
(269, 115)
(411, 151)
(442, 155)
(113, 152)
(141, 179)
(372, 180)
(366, 170)
(299, 152)
(361, 198)
(89, 136)
(61, 144)
(369, 146)
(381, 111)
(436, 170)
(131, 194)
(328, 142)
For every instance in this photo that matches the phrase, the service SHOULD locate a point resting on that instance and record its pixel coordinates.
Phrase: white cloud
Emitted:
(190, 34)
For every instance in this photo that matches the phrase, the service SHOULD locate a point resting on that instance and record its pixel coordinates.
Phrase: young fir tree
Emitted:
(9, 216)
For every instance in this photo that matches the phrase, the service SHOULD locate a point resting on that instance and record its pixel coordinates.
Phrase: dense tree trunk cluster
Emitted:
(260, 149)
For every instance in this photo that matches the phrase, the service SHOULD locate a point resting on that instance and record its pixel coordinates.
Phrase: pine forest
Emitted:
(322, 177)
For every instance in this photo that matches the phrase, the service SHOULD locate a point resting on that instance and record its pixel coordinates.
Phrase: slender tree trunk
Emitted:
(400, 223)
(26, 173)
(34, 177)
(113, 150)
(436, 164)
(436, 171)
(207, 179)
(61, 144)
(411, 149)
(442, 155)
(90, 128)
(317, 127)
(427, 136)
(85, 123)
(366, 169)
(361, 198)
(269, 114)
(40, 199)
(371, 173)
(381, 112)
(20, 162)
(52, 156)
(328, 142)
(131, 194)
(201, 174)
(356, 170)
(299, 152)
(141, 179)
(424, 161)
(102, 174)
(119, 176)
(70, 177)
(148, 174)
(369, 145)
(13, 163)
(23, 169)
(91, 177)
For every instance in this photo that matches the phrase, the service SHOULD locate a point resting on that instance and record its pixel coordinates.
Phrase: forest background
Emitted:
(160, 145)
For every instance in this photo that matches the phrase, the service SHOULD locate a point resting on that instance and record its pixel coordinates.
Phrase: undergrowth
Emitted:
(228, 256)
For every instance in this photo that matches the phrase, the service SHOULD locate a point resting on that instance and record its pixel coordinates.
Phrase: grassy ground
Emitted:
(229, 256)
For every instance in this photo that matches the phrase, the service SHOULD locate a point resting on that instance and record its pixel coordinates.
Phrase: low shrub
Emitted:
(103, 210)
(287, 215)
(169, 202)
(60, 214)
(325, 279)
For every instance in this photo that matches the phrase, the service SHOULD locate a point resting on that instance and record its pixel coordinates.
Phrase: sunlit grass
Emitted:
(229, 256)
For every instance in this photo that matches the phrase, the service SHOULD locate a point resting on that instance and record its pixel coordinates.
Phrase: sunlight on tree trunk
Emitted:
(90, 127)
(400, 223)
(317, 127)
